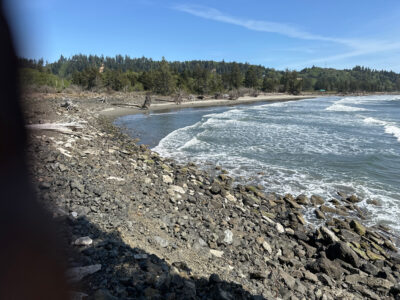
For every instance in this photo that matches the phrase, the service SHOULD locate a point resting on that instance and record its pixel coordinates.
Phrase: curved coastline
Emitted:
(115, 112)
(198, 231)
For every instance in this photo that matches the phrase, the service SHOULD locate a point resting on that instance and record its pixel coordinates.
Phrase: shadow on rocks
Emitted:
(131, 273)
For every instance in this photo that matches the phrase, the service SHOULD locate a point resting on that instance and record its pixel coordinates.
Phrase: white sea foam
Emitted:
(390, 127)
(265, 143)
(345, 108)
(395, 131)
(192, 143)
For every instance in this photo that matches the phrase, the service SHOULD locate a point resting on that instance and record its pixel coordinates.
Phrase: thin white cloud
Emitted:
(263, 26)
(357, 47)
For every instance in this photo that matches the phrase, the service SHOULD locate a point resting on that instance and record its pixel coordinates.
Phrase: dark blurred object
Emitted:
(29, 260)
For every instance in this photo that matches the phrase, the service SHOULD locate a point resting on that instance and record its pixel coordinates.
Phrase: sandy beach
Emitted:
(117, 111)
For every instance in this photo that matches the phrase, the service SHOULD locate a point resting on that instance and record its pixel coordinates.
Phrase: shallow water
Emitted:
(314, 146)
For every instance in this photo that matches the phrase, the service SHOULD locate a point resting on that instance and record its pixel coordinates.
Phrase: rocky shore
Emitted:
(139, 226)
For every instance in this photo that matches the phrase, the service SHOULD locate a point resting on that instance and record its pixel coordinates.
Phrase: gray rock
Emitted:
(267, 247)
(317, 200)
(326, 266)
(102, 295)
(353, 199)
(78, 186)
(329, 235)
(140, 256)
(287, 279)
(161, 242)
(310, 276)
(342, 251)
(167, 179)
(83, 241)
(228, 237)
(216, 253)
(77, 273)
(279, 228)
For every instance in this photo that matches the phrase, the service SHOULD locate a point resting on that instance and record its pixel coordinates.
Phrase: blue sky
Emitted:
(281, 34)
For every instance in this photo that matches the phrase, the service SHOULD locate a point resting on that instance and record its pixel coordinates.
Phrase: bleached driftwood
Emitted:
(67, 128)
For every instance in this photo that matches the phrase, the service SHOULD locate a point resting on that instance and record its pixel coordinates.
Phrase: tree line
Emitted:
(122, 73)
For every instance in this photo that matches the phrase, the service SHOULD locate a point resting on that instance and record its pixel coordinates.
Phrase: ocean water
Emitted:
(313, 146)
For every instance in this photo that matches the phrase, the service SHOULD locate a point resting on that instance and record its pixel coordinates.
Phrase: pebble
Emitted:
(83, 241)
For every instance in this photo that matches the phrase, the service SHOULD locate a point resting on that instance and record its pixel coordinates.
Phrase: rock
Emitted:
(325, 279)
(216, 187)
(257, 275)
(214, 278)
(317, 200)
(74, 214)
(230, 197)
(302, 199)
(287, 279)
(161, 242)
(326, 266)
(301, 219)
(250, 200)
(395, 290)
(310, 276)
(329, 235)
(365, 292)
(357, 227)
(353, 199)
(327, 209)
(167, 179)
(177, 189)
(292, 203)
(319, 214)
(342, 251)
(370, 269)
(140, 256)
(102, 295)
(216, 253)
(44, 185)
(279, 228)
(77, 273)
(374, 256)
(83, 241)
(267, 247)
(228, 237)
(349, 236)
(373, 202)
(375, 282)
(390, 245)
(78, 186)
(357, 250)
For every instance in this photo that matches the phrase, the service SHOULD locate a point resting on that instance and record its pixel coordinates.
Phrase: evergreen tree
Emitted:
(164, 82)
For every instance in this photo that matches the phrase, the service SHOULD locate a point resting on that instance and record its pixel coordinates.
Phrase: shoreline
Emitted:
(179, 229)
(116, 112)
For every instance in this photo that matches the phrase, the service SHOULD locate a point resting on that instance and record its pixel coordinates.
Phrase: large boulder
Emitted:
(342, 251)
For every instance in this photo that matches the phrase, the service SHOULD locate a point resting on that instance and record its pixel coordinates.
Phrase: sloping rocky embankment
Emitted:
(136, 225)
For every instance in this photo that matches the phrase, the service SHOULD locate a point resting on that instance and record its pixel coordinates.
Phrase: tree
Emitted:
(268, 85)
(251, 78)
(164, 82)
(235, 77)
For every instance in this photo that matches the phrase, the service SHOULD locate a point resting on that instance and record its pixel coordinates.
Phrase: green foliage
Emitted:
(251, 79)
(123, 73)
(34, 77)
(88, 78)
(164, 82)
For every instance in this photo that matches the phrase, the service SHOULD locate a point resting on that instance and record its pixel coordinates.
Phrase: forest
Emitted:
(122, 73)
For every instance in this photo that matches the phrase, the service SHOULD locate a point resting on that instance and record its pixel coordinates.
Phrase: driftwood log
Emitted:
(147, 102)
(66, 128)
